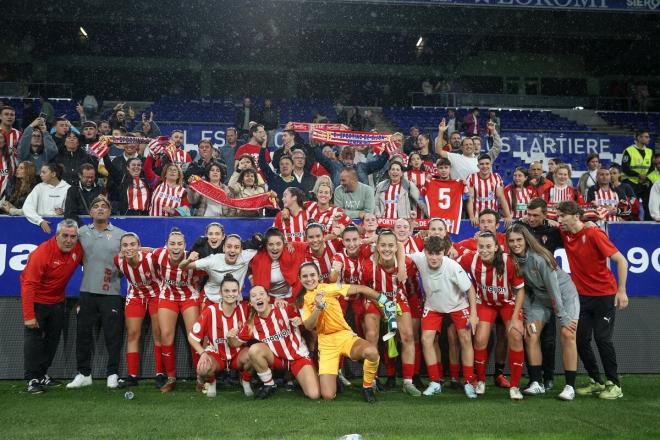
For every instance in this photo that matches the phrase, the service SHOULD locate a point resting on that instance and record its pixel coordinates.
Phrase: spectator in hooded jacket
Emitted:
(36, 144)
(72, 156)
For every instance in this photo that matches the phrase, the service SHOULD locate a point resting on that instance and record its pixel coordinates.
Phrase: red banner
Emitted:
(218, 195)
(100, 148)
(306, 127)
(350, 138)
(418, 223)
(444, 199)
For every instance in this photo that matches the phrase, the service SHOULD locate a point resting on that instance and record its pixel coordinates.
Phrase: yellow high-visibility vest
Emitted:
(638, 163)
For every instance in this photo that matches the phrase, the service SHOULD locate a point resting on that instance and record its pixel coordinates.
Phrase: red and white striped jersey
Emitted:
(144, 279)
(294, 228)
(138, 195)
(167, 196)
(384, 280)
(607, 198)
(351, 268)
(276, 331)
(178, 285)
(392, 201)
(555, 195)
(12, 138)
(327, 217)
(484, 191)
(324, 262)
(523, 196)
(418, 178)
(413, 244)
(213, 324)
(493, 288)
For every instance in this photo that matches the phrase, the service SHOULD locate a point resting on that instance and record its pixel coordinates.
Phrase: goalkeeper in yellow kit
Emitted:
(321, 311)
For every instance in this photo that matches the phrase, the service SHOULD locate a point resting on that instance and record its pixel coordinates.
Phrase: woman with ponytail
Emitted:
(178, 296)
(144, 287)
(500, 291)
(550, 289)
(215, 324)
(280, 346)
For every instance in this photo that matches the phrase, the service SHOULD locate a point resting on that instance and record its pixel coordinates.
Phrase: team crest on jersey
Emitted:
(108, 236)
(544, 239)
(584, 239)
(280, 322)
(74, 256)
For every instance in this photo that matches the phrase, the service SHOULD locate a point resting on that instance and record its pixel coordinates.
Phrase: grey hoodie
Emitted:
(549, 287)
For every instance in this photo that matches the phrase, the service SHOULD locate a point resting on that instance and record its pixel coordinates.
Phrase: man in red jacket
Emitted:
(48, 270)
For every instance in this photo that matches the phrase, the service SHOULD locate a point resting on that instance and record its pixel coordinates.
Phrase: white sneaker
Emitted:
(433, 388)
(534, 389)
(211, 390)
(113, 381)
(343, 380)
(247, 389)
(515, 394)
(79, 381)
(567, 394)
(481, 388)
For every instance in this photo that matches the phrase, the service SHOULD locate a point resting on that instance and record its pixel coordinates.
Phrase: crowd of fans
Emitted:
(71, 175)
(379, 269)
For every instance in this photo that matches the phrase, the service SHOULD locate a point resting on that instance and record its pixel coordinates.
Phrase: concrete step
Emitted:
(590, 119)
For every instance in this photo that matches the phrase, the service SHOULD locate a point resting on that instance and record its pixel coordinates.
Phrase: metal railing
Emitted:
(499, 100)
(34, 89)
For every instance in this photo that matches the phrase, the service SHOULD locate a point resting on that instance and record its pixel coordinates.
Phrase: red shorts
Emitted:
(178, 306)
(222, 362)
(432, 320)
(294, 366)
(415, 303)
(357, 305)
(343, 302)
(401, 300)
(489, 314)
(137, 307)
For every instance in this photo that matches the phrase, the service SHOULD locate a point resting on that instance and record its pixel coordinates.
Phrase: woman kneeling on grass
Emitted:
(322, 312)
(215, 323)
(281, 346)
(549, 288)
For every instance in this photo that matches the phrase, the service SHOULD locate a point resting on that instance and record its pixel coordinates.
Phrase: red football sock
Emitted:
(408, 370)
(434, 372)
(516, 360)
(158, 360)
(246, 376)
(390, 365)
(341, 362)
(418, 358)
(468, 373)
(480, 359)
(195, 358)
(454, 371)
(169, 359)
(133, 363)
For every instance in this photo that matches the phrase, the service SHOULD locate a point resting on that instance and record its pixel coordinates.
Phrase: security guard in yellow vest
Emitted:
(654, 176)
(637, 163)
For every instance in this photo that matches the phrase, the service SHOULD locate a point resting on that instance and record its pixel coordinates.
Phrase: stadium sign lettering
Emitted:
(19, 256)
(585, 4)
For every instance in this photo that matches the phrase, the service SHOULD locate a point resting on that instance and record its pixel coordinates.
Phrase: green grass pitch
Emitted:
(97, 412)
